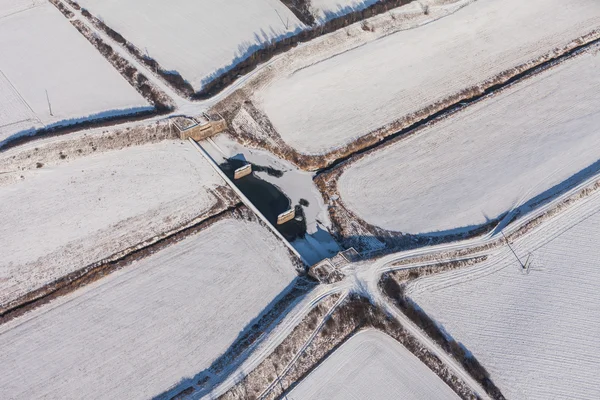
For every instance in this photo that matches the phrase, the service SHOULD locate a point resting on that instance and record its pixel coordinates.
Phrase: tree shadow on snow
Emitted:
(247, 48)
(74, 124)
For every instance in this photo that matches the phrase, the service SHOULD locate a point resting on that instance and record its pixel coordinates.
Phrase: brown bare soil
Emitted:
(301, 9)
(227, 206)
(265, 374)
(73, 4)
(61, 7)
(64, 130)
(404, 276)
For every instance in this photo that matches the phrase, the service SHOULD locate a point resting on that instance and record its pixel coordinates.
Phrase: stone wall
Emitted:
(202, 131)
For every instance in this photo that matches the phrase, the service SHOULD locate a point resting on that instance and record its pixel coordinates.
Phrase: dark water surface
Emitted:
(268, 198)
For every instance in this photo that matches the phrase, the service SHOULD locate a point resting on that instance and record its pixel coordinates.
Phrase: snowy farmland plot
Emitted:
(141, 330)
(332, 102)
(196, 38)
(59, 218)
(505, 152)
(9, 7)
(51, 75)
(537, 333)
(324, 10)
(372, 365)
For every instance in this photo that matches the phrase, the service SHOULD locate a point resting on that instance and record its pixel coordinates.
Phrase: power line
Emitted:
(286, 25)
(523, 266)
(49, 105)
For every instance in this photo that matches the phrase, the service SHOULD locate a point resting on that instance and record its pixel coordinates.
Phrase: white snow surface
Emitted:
(139, 331)
(488, 159)
(340, 98)
(61, 218)
(40, 51)
(197, 38)
(9, 7)
(325, 10)
(537, 333)
(372, 365)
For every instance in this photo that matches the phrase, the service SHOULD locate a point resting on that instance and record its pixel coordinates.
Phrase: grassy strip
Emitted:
(93, 272)
(267, 52)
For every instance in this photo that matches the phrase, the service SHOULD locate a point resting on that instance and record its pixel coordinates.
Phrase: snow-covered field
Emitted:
(325, 10)
(60, 218)
(488, 159)
(333, 101)
(537, 333)
(372, 365)
(139, 331)
(9, 7)
(45, 59)
(197, 38)
(15, 114)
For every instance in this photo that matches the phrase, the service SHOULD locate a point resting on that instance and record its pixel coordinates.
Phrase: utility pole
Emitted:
(281, 19)
(49, 105)
(525, 266)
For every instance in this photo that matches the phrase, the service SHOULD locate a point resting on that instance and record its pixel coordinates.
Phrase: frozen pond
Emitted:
(276, 186)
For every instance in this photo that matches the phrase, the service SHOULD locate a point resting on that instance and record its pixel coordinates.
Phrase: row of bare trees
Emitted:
(265, 53)
(395, 291)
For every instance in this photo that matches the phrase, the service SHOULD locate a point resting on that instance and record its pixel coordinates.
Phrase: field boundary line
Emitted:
(97, 270)
(35, 116)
